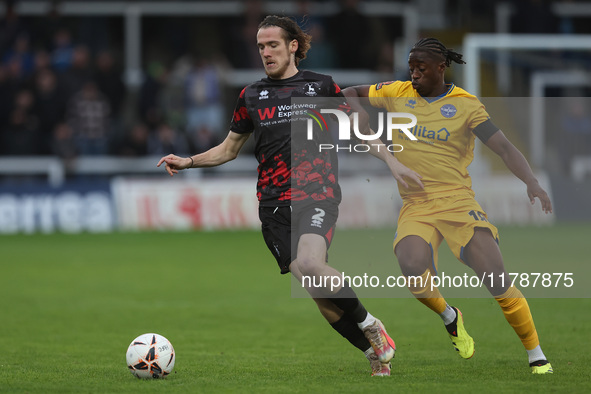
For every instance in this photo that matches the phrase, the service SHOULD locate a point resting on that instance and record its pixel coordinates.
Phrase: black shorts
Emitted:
(281, 226)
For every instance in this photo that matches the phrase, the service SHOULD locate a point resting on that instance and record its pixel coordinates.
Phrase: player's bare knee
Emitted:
(414, 261)
(414, 265)
(309, 266)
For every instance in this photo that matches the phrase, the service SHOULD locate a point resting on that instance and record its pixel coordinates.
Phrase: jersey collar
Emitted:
(430, 100)
(271, 80)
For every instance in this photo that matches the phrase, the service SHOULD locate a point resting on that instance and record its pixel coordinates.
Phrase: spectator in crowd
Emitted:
(385, 59)
(322, 54)
(203, 139)
(19, 137)
(88, 114)
(41, 63)
(42, 60)
(11, 26)
(307, 18)
(25, 100)
(21, 50)
(109, 81)
(203, 95)
(135, 142)
(63, 145)
(150, 95)
(53, 21)
(173, 97)
(79, 73)
(349, 33)
(62, 51)
(243, 53)
(15, 72)
(166, 139)
(50, 107)
(8, 89)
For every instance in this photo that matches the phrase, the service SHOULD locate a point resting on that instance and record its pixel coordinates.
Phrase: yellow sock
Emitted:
(517, 313)
(431, 298)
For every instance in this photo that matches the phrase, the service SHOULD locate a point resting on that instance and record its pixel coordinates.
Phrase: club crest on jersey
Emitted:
(311, 88)
(448, 110)
(264, 94)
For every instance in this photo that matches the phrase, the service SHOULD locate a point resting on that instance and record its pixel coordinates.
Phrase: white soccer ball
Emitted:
(150, 356)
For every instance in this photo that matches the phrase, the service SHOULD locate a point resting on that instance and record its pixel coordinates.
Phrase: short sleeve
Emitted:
(477, 111)
(379, 93)
(241, 120)
(335, 91)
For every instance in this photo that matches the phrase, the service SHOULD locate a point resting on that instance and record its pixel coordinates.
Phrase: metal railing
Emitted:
(245, 165)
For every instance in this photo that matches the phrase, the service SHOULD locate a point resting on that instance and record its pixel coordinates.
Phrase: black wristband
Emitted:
(192, 163)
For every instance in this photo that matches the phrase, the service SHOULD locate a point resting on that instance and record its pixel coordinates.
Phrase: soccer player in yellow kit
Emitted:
(440, 204)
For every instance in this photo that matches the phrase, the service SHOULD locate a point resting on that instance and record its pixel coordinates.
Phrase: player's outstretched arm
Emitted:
(220, 154)
(353, 93)
(402, 172)
(398, 170)
(516, 162)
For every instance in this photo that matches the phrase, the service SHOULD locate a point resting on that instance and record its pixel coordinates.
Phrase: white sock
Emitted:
(535, 354)
(448, 315)
(369, 352)
(369, 320)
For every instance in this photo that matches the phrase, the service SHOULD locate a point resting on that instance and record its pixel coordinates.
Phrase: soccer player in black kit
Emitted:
(294, 191)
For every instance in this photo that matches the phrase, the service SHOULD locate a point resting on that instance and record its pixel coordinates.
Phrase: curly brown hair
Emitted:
(291, 31)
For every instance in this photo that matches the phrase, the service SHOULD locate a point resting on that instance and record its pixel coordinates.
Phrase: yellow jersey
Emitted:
(445, 141)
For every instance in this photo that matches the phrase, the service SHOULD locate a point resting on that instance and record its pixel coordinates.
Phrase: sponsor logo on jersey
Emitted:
(267, 113)
(264, 94)
(422, 132)
(411, 103)
(448, 110)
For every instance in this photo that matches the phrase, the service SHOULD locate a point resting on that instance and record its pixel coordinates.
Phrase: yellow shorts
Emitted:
(450, 218)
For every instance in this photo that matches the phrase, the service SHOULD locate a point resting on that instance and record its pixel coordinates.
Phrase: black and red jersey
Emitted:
(290, 169)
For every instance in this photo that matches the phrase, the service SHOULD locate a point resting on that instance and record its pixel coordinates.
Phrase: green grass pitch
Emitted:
(71, 304)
